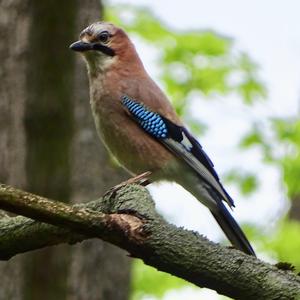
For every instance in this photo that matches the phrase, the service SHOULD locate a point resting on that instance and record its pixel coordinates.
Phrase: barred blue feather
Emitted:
(151, 122)
(179, 141)
(176, 138)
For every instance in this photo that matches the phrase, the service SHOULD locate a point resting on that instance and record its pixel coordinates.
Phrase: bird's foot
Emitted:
(141, 179)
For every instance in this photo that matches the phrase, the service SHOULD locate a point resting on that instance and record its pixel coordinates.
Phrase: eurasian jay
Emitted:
(138, 125)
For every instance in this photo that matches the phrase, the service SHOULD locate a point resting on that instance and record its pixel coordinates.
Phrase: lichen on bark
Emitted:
(129, 220)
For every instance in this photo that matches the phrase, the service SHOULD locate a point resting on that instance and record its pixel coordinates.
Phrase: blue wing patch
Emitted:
(151, 122)
(162, 128)
(176, 138)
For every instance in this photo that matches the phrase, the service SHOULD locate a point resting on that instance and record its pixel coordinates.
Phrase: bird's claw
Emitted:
(141, 179)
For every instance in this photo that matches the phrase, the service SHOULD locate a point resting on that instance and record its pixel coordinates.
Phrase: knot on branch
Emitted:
(131, 226)
(124, 200)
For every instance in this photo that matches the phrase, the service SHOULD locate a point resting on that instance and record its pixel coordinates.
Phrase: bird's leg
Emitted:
(141, 179)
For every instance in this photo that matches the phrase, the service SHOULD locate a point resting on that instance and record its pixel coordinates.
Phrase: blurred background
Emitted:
(231, 70)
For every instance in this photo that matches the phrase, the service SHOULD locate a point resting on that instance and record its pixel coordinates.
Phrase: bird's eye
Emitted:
(104, 36)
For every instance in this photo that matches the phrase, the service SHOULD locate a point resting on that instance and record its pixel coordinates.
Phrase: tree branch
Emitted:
(129, 220)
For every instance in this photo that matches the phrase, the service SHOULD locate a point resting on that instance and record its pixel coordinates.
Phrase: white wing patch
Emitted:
(186, 142)
(195, 164)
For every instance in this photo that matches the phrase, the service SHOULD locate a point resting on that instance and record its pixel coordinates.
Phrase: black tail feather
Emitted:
(232, 230)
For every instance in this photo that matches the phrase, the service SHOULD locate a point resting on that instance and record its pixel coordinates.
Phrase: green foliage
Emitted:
(192, 61)
(280, 146)
(286, 242)
(288, 137)
(256, 137)
(246, 182)
(288, 130)
(150, 282)
(250, 88)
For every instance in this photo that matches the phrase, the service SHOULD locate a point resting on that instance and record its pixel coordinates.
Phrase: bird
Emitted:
(140, 128)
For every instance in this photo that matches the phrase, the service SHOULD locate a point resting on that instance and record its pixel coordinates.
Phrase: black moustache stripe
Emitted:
(104, 49)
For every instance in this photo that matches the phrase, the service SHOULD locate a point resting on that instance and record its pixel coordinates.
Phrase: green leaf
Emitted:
(246, 182)
(252, 138)
(207, 59)
(148, 281)
(286, 242)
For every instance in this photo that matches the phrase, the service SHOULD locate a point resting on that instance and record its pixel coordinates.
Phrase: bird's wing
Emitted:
(179, 141)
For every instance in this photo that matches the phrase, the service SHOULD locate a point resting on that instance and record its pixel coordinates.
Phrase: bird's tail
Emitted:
(231, 229)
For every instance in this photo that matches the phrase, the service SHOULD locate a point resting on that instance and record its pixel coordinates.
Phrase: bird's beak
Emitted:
(81, 46)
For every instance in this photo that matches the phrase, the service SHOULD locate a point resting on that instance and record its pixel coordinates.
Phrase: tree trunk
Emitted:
(294, 212)
(44, 104)
(97, 267)
(48, 125)
(14, 25)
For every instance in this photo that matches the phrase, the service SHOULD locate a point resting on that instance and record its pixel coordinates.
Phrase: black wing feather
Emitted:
(178, 140)
(176, 132)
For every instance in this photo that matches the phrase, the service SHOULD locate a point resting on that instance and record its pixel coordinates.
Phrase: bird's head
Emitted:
(102, 44)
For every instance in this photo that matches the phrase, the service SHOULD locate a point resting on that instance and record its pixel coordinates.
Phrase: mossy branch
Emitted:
(128, 219)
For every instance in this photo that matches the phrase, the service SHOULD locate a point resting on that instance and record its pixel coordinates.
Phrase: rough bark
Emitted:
(41, 83)
(14, 24)
(48, 123)
(294, 212)
(93, 272)
(129, 220)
